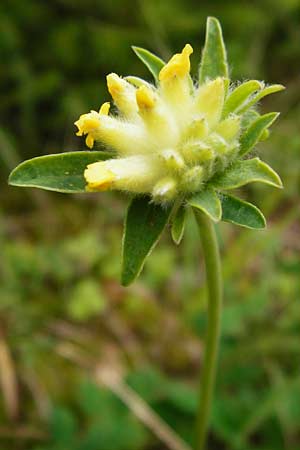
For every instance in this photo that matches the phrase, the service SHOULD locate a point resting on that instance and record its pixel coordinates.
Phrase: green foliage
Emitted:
(116, 428)
(86, 300)
(239, 95)
(261, 94)
(178, 224)
(62, 172)
(253, 134)
(241, 213)
(151, 61)
(208, 202)
(144, 224)
(248, 171)
(214, 59)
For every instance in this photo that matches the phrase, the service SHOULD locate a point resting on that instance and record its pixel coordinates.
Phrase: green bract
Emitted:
(207, 159)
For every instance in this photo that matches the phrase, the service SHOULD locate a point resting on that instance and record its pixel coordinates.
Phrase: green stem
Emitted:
(214, 308)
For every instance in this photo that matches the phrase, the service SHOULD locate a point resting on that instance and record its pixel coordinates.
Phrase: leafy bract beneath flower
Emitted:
(174, 138)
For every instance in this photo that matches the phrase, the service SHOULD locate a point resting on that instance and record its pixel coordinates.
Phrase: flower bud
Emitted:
(197, 129)
(197, 152)
(229, 128)
(174, 161)
(123, 94)
(193, 179)
(210, 100)
(164, 190)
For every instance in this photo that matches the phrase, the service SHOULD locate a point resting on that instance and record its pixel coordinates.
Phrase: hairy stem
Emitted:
(214, 307)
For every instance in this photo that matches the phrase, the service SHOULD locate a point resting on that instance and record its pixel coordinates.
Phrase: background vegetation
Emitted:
(65, 321)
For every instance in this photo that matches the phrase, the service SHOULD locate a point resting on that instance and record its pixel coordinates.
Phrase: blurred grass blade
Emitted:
(178, 225)
(144, 224)
(8, 380)
(8, 151)
(214, 59)
(247, 171)
(239, 95)
(252, 135)
(61, 172)
(241, 213)
(266, 91)
(153, 62)
(208, 202)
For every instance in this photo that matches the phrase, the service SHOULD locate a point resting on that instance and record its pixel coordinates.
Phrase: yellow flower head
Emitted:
(170, 139)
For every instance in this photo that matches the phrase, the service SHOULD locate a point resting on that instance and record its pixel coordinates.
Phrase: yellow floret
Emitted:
(115, 84)
(87, 123)
(90, 124)
(104, 110)
(89, 140)
(123, 94)
(145, 98)
(98, 176)
(178, 66)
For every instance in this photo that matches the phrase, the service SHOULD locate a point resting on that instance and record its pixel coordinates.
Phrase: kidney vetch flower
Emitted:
(170, 140)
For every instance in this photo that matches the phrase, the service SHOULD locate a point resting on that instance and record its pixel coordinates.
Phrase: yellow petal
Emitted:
(87, 123)
(178, 66)
(89, 140)
(115, 85)
(123, 94)
(104, 110)
(98, 176)
(145, 98)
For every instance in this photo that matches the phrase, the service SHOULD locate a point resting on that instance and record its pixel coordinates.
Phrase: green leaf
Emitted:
(151, 61)
(247, 171)
(208, 202)
(253, 134)
(144, 224)
(63, 427)
(239, 95)
(178, 225)
(241, 213)
(248, 118)
(137, 82)
(214, 59)
(263, 93)
(61, 172)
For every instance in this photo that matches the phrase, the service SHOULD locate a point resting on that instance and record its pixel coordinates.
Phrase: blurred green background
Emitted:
(63, 312)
